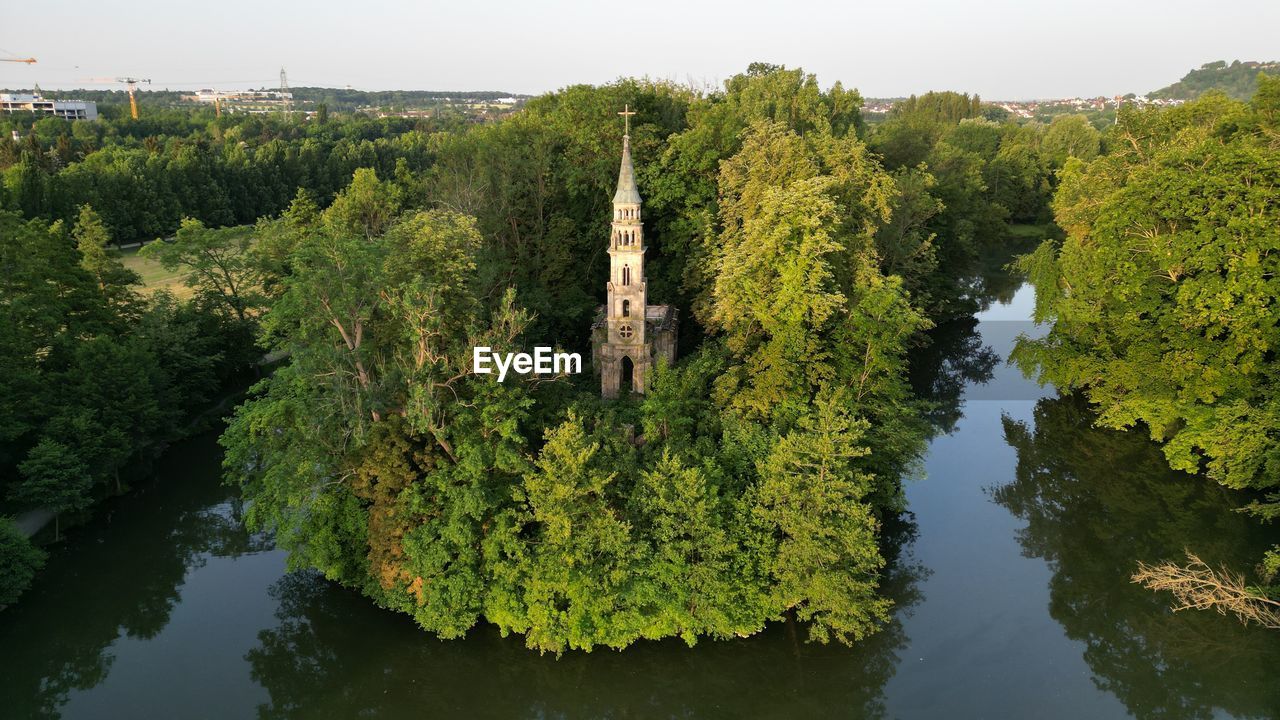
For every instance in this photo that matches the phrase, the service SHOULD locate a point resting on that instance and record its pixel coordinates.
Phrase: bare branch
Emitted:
(1200, 587)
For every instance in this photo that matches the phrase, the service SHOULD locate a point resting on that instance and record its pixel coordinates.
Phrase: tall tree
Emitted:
(53, 477)
(114, 280)
(564, 556)
(19, 561)
(218, 265)
(811, 498)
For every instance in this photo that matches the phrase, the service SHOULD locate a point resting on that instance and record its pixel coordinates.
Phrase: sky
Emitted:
(1000, 49)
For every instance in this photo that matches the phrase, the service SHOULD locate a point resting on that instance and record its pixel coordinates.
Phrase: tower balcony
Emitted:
(640, 286)
(616, 248)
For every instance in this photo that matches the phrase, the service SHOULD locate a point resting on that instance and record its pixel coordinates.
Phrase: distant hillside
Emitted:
(1239, 79)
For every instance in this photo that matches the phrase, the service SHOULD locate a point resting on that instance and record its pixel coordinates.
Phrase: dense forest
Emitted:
(760, 468)
(143, 177)
(810, 252)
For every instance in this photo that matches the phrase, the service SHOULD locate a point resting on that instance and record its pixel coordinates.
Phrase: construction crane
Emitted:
(13, 58)
(132, 84)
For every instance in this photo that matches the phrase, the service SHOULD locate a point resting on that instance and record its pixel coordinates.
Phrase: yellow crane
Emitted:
(132, 84)
(10, 57)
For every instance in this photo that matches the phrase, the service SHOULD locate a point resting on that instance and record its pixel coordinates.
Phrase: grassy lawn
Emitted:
(154, 276)
(1028, 232)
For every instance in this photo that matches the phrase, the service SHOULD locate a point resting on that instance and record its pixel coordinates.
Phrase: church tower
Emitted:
(630, 331)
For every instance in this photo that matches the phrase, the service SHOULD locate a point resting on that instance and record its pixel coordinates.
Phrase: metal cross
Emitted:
(626, 114)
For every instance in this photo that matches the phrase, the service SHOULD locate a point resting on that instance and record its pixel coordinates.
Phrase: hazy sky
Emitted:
(1002, 49)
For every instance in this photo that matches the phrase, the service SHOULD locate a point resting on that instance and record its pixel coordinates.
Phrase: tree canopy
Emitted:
(1163, 295)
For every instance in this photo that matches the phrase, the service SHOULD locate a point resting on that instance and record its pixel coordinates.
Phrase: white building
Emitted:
(68, 109)
(253, 101)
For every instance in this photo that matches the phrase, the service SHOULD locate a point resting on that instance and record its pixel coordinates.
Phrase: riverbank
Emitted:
(32, 521)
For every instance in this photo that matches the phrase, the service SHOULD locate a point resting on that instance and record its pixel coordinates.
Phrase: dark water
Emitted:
(1011, 583)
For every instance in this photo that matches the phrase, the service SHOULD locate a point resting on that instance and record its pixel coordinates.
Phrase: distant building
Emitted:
(67, 109)
(251, 101)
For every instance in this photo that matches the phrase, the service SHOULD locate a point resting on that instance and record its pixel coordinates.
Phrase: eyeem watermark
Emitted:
(543, 361)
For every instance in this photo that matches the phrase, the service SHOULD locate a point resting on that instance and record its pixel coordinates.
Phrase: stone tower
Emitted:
(629, 334)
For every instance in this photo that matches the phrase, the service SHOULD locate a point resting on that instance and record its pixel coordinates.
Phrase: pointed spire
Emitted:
(627, 192)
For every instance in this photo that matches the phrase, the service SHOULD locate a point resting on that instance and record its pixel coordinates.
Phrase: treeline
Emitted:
(145, 176)
(1163, 295)
(112, 102)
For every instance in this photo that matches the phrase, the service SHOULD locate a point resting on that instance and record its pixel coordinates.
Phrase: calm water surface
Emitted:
(1010, 579)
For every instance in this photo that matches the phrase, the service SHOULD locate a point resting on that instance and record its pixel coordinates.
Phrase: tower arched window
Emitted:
(626, 308)
(626, 274)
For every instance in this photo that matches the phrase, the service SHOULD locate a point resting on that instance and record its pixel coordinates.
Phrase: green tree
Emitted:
(19, 562)
(367, 207)
(1071, 136)
(797, 279)
(906, 245)
(811, 498)
(114, 280)
(564, 557)
(53, 477)
(218, 265)
(686, 577)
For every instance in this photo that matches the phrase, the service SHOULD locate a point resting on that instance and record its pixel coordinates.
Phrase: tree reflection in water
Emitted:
(1096, 502)
(954, 358)
(116, 577)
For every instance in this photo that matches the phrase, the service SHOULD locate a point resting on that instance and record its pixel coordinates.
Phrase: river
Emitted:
(1010, 578)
